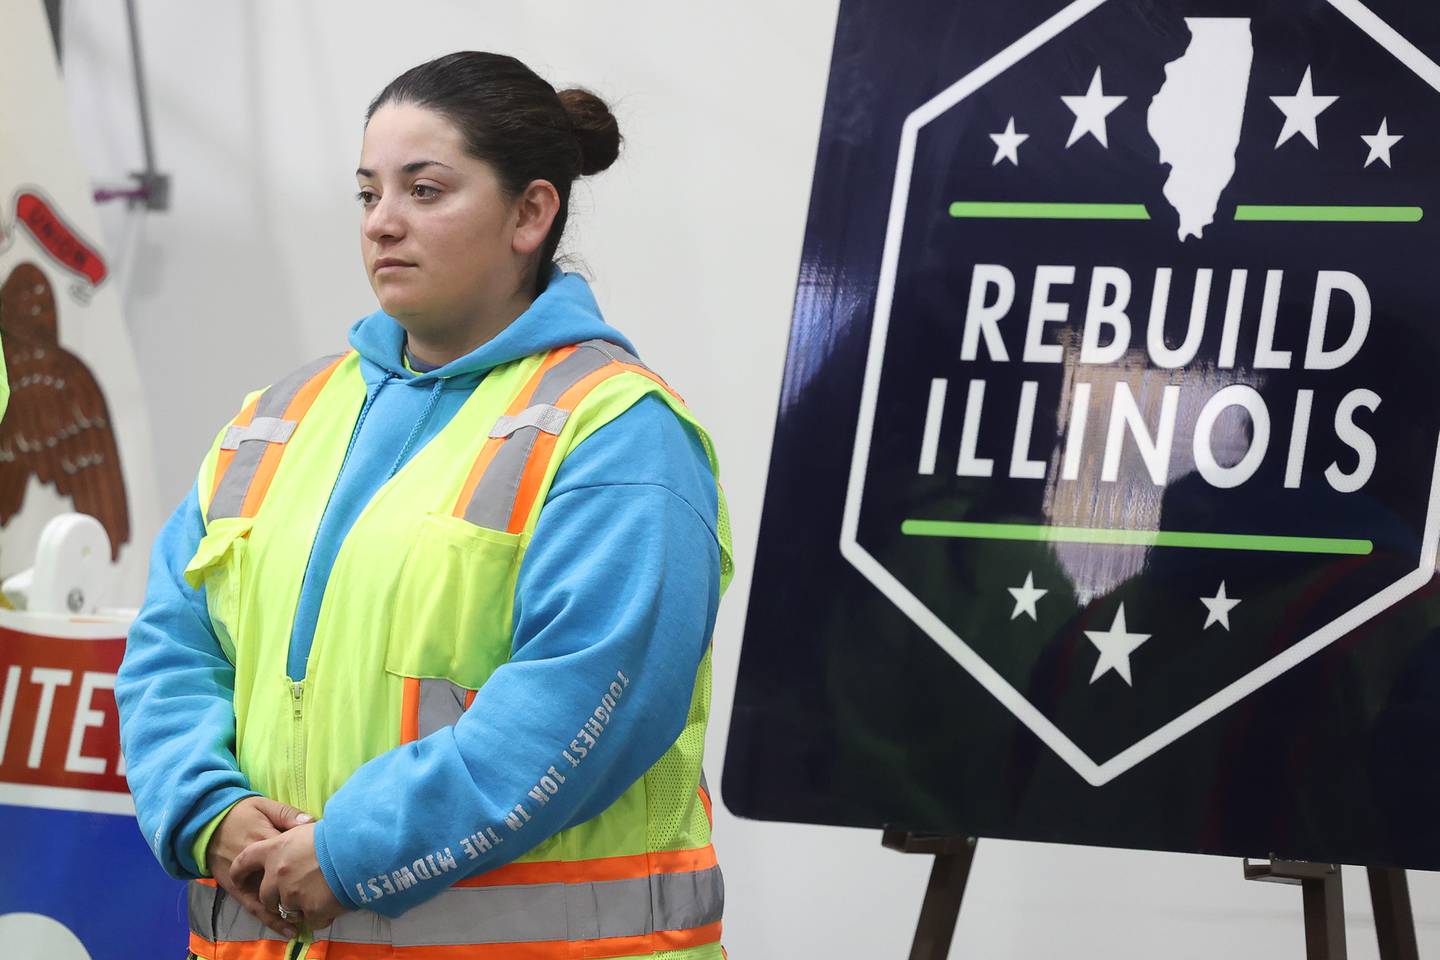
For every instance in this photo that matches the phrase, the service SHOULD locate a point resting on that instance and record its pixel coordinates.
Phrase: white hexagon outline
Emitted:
(1096, 774)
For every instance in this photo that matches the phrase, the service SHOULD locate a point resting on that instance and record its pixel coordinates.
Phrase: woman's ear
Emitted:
(535, 211)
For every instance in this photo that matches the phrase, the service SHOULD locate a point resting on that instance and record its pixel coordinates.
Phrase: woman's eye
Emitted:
(366, 197)
(431, 191)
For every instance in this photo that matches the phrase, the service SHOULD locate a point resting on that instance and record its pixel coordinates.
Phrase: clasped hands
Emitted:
(263, 855)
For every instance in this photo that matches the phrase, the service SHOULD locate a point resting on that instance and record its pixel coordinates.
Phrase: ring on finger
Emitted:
(287, 914)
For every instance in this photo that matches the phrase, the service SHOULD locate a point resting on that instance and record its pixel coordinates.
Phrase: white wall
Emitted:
(693, 242)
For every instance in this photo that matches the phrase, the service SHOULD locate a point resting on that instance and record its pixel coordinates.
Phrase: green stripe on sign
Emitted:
(975, 209)
(1142, 538)
(1290, 213)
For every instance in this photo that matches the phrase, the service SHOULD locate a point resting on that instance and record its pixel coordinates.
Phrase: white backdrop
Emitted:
(693, 243)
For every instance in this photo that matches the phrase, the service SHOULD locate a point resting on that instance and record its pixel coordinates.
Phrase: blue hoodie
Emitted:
(641, 598)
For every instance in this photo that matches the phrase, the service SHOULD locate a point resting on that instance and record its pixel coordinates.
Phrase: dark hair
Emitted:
(514, 121)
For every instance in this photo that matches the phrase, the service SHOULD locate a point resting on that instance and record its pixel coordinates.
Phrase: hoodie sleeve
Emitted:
(637, 606)
(175, 695)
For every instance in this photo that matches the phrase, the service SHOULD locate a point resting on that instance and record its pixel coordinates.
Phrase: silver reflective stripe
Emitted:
(441, 703)
(494, 498)
(231, 921)
(200, 904)
(269, 429)
(230, 497)
(614, 351)
(520, 913)
(526, 913)
(588, 357)
(542, 416)
(685, 900)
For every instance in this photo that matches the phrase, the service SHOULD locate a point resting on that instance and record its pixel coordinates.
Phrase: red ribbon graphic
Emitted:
(63, 243)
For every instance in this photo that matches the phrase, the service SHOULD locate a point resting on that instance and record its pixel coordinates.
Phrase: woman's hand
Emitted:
(288, 873)
(250, 821)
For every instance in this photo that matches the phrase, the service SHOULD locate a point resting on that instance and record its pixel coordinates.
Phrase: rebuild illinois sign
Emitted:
(1147, 417)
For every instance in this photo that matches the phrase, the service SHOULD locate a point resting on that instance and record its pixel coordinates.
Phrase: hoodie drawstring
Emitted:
(419, 425)
(364, 411)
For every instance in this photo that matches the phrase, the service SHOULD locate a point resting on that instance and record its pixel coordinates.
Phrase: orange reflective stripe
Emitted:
(206, 882)
(270, 461)
(222, 462)
(238, 949)
(599, 949)
(705, 802)
(539, 462)
(410, 711)
(595, 871)
(492, 446)
(535, 469)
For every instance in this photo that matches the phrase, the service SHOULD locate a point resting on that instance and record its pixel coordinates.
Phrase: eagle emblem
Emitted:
(58, 425)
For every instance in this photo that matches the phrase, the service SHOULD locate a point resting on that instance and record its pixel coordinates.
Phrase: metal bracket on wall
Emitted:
(152, 188)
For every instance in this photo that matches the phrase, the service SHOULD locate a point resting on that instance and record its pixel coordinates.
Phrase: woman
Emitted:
(424, 658)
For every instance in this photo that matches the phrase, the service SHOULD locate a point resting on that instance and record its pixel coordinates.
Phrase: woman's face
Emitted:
(436, 230)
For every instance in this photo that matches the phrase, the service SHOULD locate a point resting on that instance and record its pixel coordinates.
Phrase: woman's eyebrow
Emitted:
(412, 167)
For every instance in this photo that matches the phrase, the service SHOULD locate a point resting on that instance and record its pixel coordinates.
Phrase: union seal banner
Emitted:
(1111, 410)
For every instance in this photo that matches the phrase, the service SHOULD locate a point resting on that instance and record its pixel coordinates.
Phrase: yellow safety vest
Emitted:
(407, 634)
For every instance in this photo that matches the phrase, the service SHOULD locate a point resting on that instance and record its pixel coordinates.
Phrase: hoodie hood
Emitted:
(564, 313)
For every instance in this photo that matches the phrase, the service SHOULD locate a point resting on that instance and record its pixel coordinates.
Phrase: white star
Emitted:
(1025, 598)
(1090, 112)
(1300, 112)
(1007, 144)
(1381, 143)
(1219, 607)
(1115, 646)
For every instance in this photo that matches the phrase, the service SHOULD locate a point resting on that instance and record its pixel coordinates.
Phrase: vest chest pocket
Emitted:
(453, 607)
(219, 566)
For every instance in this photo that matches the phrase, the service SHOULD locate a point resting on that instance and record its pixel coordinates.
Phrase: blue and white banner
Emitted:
(76, 879)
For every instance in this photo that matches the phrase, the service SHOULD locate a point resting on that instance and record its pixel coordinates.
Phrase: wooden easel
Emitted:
(1320, 885)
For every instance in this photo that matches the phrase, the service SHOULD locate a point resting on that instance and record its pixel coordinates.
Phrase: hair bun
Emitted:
(595, 129)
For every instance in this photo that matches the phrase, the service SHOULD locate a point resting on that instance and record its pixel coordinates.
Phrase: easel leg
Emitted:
(1394, 923)
(941, 909)
(1324, 917)
(1324, 901)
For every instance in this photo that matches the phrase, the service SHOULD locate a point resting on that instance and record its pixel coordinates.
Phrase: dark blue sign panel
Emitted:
(1105, 494)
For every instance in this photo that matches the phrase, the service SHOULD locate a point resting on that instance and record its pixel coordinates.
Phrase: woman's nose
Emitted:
(384, 221)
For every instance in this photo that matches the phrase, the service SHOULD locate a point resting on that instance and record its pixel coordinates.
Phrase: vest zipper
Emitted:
(297, 774)
(297, 743)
